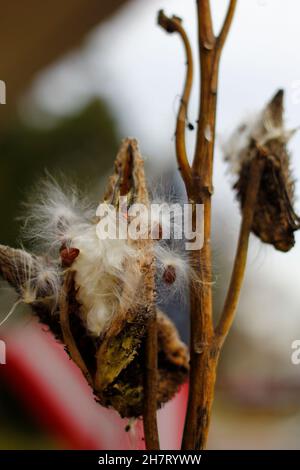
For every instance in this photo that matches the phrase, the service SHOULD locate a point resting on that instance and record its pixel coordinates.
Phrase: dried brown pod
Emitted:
(275, 219)
(112, 362)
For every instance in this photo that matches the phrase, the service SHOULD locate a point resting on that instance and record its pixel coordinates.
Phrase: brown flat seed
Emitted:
(68, 256)
(169, 275)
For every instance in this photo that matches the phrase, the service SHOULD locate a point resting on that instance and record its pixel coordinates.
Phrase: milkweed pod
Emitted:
(275, 219)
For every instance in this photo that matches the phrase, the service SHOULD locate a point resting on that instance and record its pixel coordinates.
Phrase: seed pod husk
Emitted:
(275, 219)
(112, 362)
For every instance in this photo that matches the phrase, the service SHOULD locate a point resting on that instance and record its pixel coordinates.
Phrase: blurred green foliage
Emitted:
(81, 146)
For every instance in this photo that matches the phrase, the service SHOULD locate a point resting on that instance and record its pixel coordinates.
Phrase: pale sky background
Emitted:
(139, 70)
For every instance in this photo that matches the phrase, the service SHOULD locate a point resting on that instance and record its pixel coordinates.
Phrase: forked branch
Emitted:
(204, 347)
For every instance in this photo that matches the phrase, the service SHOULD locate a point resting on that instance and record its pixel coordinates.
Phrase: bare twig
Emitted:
(238, 272)
(172, 25)
(150, 388)
(221, 39)
(226, 25)
(65, 325)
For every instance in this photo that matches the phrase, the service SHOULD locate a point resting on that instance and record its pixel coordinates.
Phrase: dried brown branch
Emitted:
(226, 25)
(172, 25)
(206, 32)
(150, 386)
(237, 277)
(204, 354)
(221, 39)
(64, 312)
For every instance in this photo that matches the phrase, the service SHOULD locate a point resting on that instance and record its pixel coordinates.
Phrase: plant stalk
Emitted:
(204, 354)
(150, 386)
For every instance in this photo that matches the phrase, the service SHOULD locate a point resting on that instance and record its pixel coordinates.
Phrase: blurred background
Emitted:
(79, 77)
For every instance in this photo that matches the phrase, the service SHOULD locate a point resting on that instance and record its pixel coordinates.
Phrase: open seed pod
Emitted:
(275, 220)
(108, 347)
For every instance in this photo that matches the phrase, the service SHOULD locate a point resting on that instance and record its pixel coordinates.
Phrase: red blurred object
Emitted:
(39, 371)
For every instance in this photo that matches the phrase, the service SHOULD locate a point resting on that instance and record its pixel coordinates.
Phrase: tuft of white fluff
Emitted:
(163, 197)
(238, 141)
(260, 128)
(108, 271)
(53, 213)
(165, 257)
(36, 280)
(107, 275)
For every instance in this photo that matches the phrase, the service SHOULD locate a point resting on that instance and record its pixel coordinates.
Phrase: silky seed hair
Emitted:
(53, 216)
(261, 128)
(35, 279)
(110, 357)
(108, 272)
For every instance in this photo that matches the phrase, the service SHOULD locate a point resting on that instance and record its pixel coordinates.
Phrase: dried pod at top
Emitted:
(275, 220)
